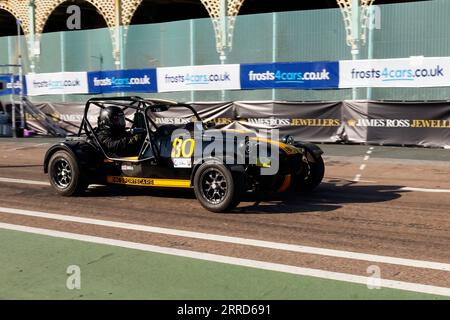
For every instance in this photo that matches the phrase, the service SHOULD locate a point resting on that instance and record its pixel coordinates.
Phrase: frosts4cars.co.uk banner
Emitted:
(57, 83)
(391, 73)
(199, 78)
(295, 75)
(8, 82)
(142, 80)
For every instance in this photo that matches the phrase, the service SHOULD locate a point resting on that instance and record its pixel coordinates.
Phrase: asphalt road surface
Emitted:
(381, 213)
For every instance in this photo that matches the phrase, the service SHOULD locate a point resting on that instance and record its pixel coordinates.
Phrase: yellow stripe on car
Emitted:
(283, 146)
(149, 182)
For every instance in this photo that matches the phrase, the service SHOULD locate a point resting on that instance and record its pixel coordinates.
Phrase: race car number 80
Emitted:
(183, 148)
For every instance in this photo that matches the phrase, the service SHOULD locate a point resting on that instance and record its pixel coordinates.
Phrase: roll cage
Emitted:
(139, 105)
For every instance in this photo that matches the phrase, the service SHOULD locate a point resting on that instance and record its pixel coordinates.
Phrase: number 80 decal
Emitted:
(183, 148)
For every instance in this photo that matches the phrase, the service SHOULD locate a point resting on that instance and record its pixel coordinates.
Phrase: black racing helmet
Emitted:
(112, 118)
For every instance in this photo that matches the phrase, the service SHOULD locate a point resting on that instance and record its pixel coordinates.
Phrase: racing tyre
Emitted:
(64, 174)
(216, 188)
(313, 175)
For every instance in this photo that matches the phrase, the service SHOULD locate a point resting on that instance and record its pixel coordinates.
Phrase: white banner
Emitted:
(390, 73)
(57, 83)
(199, 78)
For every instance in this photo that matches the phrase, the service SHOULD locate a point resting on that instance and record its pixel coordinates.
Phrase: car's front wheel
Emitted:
(216, 188)
(312, 174)
(64, 174)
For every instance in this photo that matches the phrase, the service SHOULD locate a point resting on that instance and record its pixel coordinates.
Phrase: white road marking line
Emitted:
(425, 190)
(392, 284)
(235, 240)
(24, 181)
(29, 146)
(363, 166)
(363, 181)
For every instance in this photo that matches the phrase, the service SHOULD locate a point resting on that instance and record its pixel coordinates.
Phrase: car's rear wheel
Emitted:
(216, 188)
(64, 174)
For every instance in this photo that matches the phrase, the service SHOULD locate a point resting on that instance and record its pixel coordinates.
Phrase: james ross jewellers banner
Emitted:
(417, 124)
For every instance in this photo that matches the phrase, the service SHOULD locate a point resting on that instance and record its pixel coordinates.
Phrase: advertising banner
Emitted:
(389, 123)
(143, 80)
(296, 75)
(57, 83)
(199, 78)
(316, 122)
(6, 85)
(391, 73)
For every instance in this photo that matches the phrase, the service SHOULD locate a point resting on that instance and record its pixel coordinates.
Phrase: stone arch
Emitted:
(44, 8)
(19, 9)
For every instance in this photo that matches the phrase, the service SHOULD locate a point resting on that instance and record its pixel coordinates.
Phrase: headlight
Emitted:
(288, 140)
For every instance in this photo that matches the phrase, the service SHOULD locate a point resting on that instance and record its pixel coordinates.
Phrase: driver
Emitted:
(113, 136)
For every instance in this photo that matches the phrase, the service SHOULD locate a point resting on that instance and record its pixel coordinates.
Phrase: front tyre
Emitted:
(216, 188)
(64, 174)
(312, 175)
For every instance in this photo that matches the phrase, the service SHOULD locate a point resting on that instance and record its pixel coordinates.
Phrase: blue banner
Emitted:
(142, 80)
(296, 75)
(6, 86)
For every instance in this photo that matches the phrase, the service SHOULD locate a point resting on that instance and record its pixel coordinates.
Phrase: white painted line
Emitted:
(29, 146)
(425, 190)
(233, 261)
(369, 152)
(357, 178)
(23, 181)
(362, 167)
(363, 181)
(371, 148)
(366, 158)
(235, 240)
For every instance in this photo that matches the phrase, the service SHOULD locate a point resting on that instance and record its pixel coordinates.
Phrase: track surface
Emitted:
(385, 201)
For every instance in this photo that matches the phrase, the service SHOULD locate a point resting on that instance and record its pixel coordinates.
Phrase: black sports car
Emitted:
(220, 165)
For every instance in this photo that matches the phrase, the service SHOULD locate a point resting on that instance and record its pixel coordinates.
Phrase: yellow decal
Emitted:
(183, 148)
(285, 147)
(149, 182)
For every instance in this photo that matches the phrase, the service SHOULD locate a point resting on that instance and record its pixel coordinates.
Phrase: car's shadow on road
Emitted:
(329, 196)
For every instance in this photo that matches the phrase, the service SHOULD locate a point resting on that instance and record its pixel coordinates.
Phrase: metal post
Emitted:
(118, 35)
(13, 109)
(274, 44)
(371, 26)
(355, 36)
(31, 38)
(19, 62)
(192, 50)
(63, 56)
(223, 24)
